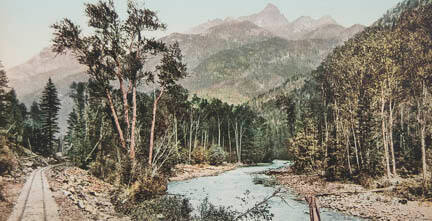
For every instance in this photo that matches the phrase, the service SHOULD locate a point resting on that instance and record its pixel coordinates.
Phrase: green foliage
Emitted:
(179, 208)
(8, 161)
(16, 114)
(170, 208)
(260, 66)
(3, 92)
(217, 155)
(147, 185)
(208, 211)
(49, 107)
(33, 129)
(377, 125)
(306, 153)
(200, 155)
(88, 125)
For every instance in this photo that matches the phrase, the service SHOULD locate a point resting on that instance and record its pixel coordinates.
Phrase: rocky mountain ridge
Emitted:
(272, 19)
(204, 46)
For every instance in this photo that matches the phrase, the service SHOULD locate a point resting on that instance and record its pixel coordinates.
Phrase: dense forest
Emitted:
(365, 111)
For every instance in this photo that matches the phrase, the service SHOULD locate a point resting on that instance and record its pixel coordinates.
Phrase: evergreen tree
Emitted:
(16, 114)
(49, 105)
(3, 91)
(33, 129)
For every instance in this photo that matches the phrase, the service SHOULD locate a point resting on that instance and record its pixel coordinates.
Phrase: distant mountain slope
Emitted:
(202, 28)
(389, 19)
(32, 75)
(232, 59)
(392, 15)
(256, 68)
(196, 47)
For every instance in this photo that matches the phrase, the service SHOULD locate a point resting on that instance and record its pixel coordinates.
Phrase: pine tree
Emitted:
(49, 105)
(33, 129)
(16, 113)
(3, 92)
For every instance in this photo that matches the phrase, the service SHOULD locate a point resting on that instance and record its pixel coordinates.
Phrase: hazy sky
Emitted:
(24, 24)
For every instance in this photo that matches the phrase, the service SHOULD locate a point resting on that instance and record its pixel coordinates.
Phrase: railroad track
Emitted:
(35, 201)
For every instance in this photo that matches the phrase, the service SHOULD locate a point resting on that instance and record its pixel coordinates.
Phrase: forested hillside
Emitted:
(393, 15)
(366, 111)
(236, 75)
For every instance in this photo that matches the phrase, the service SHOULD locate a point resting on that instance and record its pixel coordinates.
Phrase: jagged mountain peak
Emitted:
(269, 17)
(270, 8)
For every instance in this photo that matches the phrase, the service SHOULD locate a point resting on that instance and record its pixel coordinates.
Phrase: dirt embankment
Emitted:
(353, 199)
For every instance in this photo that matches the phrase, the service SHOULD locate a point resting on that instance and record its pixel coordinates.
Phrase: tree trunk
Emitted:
(190, 136)
(348, 149)
(196, 133)
(384, 136)
(355, 147)
(116, 120)
(219, 131)
(236, 135)
(176, 132)
(240, 138)
(229, 139)
(125, 104)
(134, 119)
(402, 145)
(422, 121)
(390, 132)
(153, 128)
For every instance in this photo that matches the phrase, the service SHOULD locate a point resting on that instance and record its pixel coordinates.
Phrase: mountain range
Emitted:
(233, 59)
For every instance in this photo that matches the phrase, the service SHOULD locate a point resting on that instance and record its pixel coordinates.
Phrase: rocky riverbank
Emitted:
(353, 199)
(81, 196)
(186, 172)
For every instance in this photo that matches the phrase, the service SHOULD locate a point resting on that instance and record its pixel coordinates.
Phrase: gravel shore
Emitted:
(352, 199)
(186, 172)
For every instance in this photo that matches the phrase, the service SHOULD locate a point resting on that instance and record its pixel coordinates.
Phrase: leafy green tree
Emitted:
(417, 69)
(117, 49)
(169, 72)
(49, 106)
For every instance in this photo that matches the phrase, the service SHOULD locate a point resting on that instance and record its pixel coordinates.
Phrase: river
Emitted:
(227, 188)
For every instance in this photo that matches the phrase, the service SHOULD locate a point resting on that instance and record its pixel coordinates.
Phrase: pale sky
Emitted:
(25, 31)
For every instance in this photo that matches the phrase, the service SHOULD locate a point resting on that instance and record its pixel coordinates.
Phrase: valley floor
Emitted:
(353, 199)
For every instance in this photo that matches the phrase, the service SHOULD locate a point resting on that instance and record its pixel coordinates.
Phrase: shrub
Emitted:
(216, 155)
(253, 155)
(182, 155)
(170, 208)
(306, 153)
(199, 155)
(8, 161)
(210, 212)
(147, 186)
